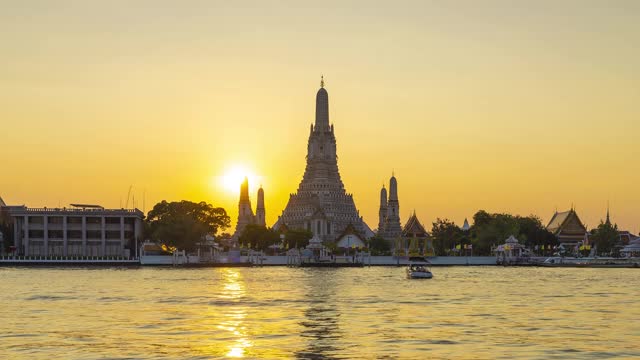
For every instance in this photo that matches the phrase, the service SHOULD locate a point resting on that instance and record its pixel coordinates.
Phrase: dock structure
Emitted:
(59, 261)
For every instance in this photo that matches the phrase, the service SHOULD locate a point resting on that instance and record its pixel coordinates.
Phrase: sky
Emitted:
(508, 106)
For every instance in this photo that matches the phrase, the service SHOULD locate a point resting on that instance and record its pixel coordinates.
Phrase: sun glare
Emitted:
(234, 176)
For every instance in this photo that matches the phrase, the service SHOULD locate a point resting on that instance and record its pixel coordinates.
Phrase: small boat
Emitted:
(419, 268)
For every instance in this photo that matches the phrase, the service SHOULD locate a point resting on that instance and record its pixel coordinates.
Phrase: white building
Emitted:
(82, 230)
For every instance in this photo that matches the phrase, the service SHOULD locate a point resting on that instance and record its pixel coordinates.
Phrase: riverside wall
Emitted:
(256, 260)
(391, 260)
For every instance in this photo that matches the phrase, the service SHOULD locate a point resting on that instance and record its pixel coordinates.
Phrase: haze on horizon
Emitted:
(519, 107)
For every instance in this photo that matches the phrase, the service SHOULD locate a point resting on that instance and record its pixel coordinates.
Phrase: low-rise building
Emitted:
(81, 230)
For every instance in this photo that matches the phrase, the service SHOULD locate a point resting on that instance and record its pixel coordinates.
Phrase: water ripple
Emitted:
(466, 312)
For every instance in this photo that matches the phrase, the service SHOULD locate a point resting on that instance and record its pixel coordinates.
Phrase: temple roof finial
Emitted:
(321, 81)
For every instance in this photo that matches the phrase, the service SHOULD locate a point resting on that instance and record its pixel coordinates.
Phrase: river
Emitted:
(279, 312)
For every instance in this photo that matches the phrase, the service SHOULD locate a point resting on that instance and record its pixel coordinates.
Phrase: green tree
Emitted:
(445, 235)
(261, 238)
(379, 246)
(183, 224)
(297, 238)
(482, 218)
(258, 237)
(492, 229)
(606, 238)
(533, 233)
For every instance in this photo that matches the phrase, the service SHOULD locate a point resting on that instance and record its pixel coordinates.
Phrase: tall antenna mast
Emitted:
(128, 195)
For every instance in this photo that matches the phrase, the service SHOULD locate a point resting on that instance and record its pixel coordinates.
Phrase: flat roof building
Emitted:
(81, 230)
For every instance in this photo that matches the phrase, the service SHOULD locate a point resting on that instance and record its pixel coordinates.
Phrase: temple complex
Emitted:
(245, 212)
(321, 203)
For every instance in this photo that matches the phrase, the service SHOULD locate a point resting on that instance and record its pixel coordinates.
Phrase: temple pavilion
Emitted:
(567, 228)
(415, 233)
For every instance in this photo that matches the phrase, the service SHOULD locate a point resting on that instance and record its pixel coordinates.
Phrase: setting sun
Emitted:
(234, 176)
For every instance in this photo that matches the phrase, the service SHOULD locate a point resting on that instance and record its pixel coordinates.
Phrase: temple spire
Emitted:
(322, 108)
(382, 215)
(393, 188)
(245, 213)
(244, 189)
(392, 227)
(260, 211)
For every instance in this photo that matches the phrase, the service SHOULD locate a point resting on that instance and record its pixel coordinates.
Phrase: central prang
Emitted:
(321, 204)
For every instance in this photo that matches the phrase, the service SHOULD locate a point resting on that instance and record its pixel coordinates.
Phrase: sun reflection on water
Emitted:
(233, 290)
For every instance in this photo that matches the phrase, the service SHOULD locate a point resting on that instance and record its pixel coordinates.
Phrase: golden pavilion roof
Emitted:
(413, 227)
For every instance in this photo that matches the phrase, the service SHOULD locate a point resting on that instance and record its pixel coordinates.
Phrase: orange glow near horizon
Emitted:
(233, 178)
(520, 107)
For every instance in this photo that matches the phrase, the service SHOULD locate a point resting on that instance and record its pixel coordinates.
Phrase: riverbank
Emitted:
(275, 261)
(398, 261)
(244, 260)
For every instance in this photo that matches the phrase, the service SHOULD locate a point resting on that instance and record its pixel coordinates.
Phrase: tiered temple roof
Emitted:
(351, 230)
(567, 227)
(413, 228)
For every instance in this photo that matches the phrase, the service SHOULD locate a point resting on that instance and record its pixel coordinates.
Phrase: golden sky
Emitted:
(507, 106)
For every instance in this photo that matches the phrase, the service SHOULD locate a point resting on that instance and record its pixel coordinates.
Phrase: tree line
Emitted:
(489, 230)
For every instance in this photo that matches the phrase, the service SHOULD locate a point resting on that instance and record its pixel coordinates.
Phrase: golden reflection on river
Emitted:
(234, 290)
(279, 313)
